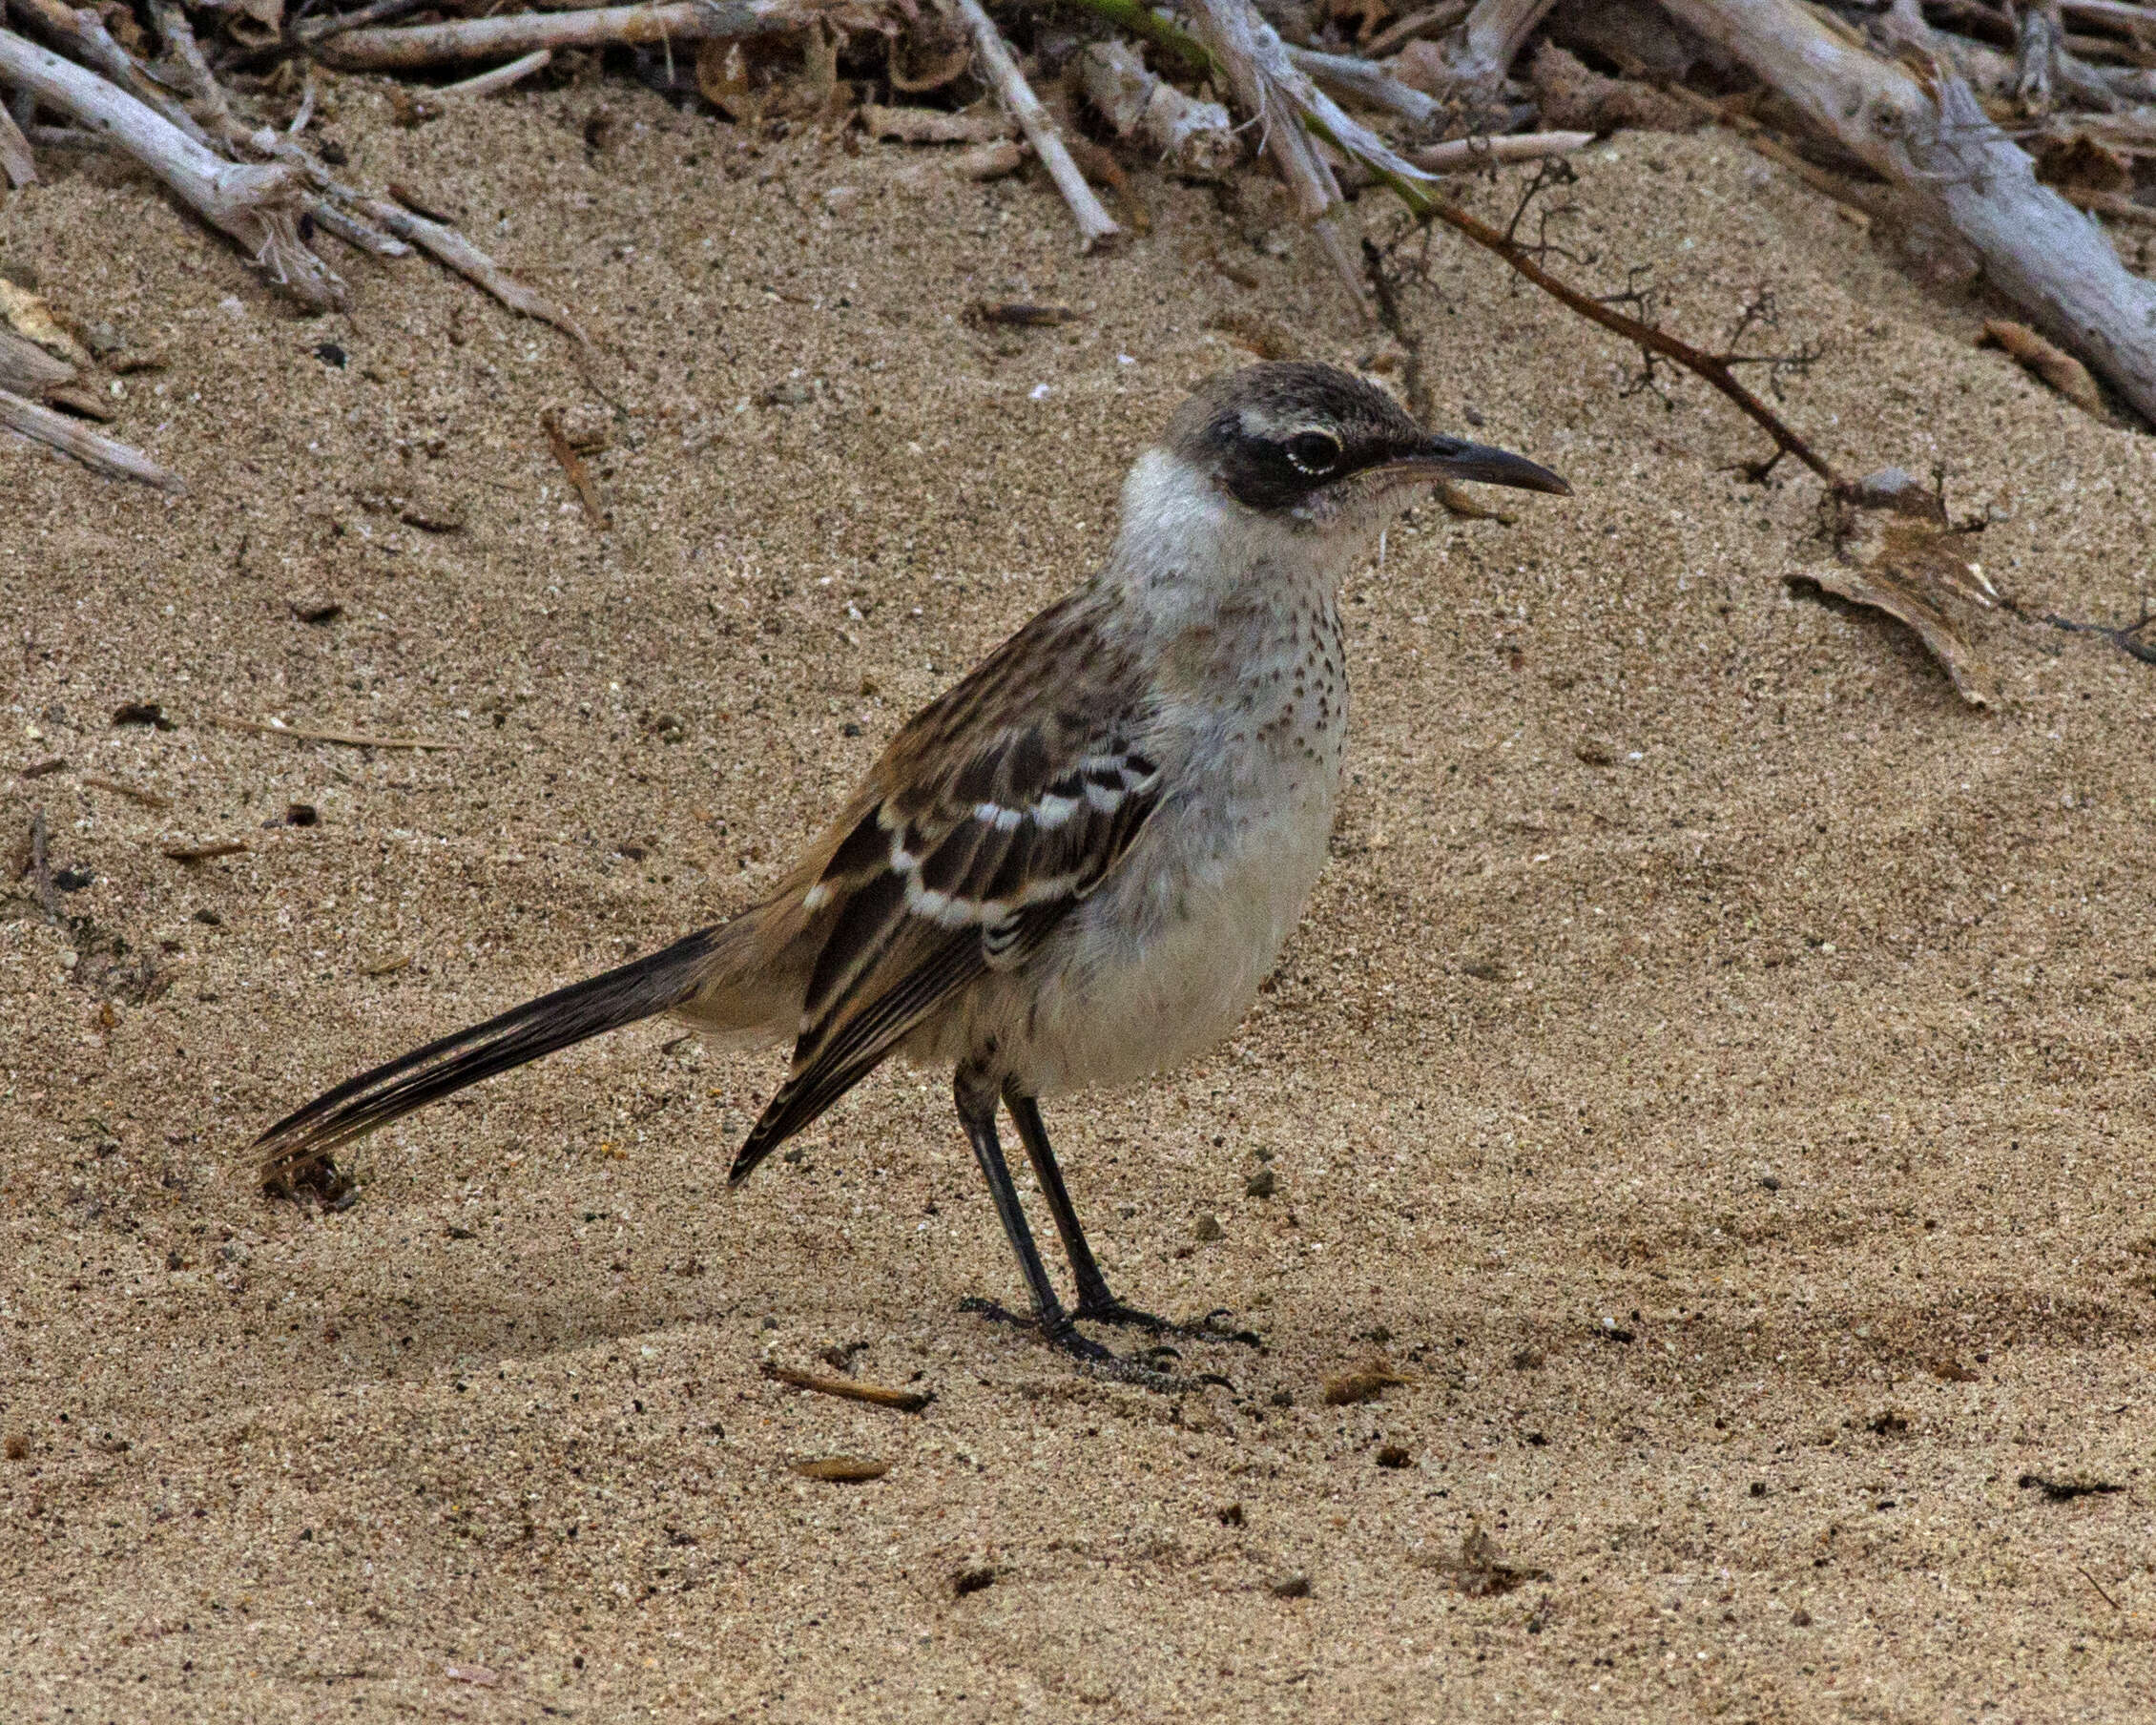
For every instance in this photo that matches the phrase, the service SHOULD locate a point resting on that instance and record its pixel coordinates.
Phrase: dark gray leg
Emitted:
(1092, 1285)
(976, 1112)
(1095, 1303)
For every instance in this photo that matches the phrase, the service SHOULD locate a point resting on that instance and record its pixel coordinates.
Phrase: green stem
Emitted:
(1140, 19)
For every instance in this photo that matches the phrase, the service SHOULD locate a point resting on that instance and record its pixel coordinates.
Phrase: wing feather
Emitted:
(982, 828)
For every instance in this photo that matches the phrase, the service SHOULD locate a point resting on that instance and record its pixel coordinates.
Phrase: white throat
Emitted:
(1185, 548)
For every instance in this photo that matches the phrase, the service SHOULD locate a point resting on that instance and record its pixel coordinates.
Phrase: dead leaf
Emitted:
(1361, 1385)
(2052, 365)
(841, 1469)
(31, 319)
(1929, 580)
(722, 78)
(927, 56)
(981, 125)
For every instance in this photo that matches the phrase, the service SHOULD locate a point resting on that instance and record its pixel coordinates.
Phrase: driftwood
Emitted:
(27, 369)
(1194, 138)
(1367, 82)
(106, 455)
(257, 205)
(1458, 155)
(487, 83)
(1287, 106)
(412, 48)
(983, 125)
(1928, 133)
(1482, 49)
(16, 161)
(446, 245)
(1000, 66)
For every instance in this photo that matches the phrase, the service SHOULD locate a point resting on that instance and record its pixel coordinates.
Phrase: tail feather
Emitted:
(296, 1151)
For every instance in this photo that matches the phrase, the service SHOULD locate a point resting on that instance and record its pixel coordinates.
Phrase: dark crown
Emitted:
(1277, 432)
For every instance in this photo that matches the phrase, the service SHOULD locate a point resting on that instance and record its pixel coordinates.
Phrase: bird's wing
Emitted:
(1001, 806)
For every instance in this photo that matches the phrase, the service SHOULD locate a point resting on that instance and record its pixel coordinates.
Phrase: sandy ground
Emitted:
(1715, 1068)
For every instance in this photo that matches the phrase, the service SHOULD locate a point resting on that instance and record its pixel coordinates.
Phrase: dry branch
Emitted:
(16, 159)
(1280, 95)
(1712, 369)
(1461, 153)
(107, 455)
(446, 245)
(1929, 133)
(27, 369)
(502, 77)
(1195, 138)
(849, 1390)
(1369, 83)
(257, 205)
(410, 47)
(1000, 70)
(1481, 51)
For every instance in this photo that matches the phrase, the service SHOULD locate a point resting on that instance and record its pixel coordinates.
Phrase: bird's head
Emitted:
(1319, 451)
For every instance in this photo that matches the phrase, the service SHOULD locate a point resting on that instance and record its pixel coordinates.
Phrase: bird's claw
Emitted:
(1062, 1334)
(1208, 1328)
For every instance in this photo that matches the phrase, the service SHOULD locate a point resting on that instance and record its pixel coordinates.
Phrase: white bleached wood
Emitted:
(487, 83)
(1459, 154)
(259, 205)
(71, 437)
(2038, 250)
(1193, 137)
(406, 48)
(1000, 66)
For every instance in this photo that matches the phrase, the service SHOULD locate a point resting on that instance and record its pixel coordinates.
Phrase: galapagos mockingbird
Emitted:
(1074, 867)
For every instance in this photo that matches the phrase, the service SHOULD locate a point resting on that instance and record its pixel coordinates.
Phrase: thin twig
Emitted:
(186, 52)
(1000, 68)
(1365, 81)
(316, 30)
(148, 799)
(572, 465)
(1711, 367)
(487, 83)
(2098, 1587)
(452, 248)
(415, 46)
(106, 455)
(350, 739)
(905, 1401)
(205, 853)
(1400, 32)
(1465, 152)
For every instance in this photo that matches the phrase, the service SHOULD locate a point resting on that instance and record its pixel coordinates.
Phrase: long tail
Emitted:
(296, 1151)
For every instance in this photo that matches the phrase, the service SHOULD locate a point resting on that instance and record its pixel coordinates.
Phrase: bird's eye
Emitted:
(1314, 453)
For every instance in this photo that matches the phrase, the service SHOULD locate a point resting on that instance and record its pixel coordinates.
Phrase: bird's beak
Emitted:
(1450, 458)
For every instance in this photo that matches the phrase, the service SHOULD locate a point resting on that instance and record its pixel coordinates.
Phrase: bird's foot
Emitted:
(1107, 1309)
(1141, 1368)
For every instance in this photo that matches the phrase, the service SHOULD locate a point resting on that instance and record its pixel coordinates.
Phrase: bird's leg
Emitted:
(978, 1115)
(976, 1108)
(976, 1112)
(1095, 1303)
